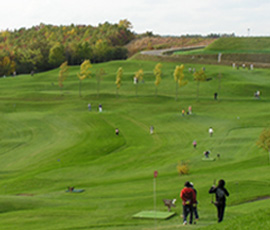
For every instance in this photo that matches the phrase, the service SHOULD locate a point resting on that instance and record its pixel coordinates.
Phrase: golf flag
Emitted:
(155, 174)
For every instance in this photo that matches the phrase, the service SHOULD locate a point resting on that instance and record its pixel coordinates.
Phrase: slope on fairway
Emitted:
(49, 141)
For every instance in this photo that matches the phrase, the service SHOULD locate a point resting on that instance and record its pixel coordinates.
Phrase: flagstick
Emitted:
(155, 197)
(155, 202)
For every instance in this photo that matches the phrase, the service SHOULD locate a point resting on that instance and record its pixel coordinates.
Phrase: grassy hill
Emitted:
(49, 141)
(241, 45)
(248, 50)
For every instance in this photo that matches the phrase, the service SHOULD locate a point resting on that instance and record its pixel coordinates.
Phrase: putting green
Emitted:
(154, 215)
(208, 159)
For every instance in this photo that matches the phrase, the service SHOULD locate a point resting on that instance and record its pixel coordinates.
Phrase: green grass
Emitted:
(234, 45)
(49, 141)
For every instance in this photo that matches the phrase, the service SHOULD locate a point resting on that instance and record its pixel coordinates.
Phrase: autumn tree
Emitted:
(157, 73)
(84, 73)
(7, 66)
(264, 141)
(118, 81)
(56, 55)
(179, 78)
(199, 76)
(44, 47)
(101, 50)
(125, 24)
(28, 59)
(138, 77)
(63, 73)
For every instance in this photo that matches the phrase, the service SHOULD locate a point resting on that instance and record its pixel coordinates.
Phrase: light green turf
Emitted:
(154, 215)
(49, 141)
(235, 45)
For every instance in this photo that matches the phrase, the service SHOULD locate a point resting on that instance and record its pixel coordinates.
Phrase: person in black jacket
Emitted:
(221, 193)
(195, 204)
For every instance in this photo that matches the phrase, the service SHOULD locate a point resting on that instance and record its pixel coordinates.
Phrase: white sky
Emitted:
(163, 17)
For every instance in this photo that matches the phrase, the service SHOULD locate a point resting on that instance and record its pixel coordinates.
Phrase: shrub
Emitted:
(182, 168)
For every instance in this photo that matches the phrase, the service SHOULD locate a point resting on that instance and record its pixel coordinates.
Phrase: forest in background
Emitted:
(45, 47)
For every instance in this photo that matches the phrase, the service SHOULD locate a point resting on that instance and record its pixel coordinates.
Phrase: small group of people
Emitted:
(151, 130)
(188, 195)
(251, 66)
(189, 200)
(189, 111)
(90, 107)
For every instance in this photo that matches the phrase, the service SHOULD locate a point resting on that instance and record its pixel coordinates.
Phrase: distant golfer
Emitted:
(221, 193)
(116, 131)
(89, 107)
(100, 108)
(194, 144)
(183, 112)
(206, 153)
(215, 95)
(151, 129)
(190, 109)
(211, 131)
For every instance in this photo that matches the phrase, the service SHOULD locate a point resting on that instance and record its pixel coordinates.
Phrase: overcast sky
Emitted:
(163, 17)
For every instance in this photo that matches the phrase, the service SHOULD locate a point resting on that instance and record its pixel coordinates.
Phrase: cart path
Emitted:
(170, 50)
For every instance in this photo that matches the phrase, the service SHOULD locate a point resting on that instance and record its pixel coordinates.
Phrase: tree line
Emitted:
(85, 72)
(45, 47)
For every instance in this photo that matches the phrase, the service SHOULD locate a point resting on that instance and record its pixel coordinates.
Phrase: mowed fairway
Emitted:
(49, 141)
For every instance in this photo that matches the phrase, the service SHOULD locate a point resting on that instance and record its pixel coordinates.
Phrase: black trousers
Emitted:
(188, 210)
(220, 211)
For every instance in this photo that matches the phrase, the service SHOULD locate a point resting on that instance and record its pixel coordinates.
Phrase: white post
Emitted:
(219, 57)
(155, 197)
(154, 189)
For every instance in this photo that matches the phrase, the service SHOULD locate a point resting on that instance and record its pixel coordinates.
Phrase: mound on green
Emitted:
(154, 215)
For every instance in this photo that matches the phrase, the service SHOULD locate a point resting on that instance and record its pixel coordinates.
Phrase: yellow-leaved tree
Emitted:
(264, 141)
(7, 66)
(63, 73)
(157, 73)
(138, 77)
(118, 81)
(199, 76)
(84, 73)
(179, 78)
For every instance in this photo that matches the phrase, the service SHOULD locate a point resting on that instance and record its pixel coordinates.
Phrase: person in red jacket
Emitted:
(188, 197)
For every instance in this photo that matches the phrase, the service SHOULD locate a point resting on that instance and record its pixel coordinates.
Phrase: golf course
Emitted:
(50, 140)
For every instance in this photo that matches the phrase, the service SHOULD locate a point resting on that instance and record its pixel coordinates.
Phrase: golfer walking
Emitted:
(221, 193)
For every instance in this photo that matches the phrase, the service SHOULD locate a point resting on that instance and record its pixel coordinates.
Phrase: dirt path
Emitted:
(169, 51)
